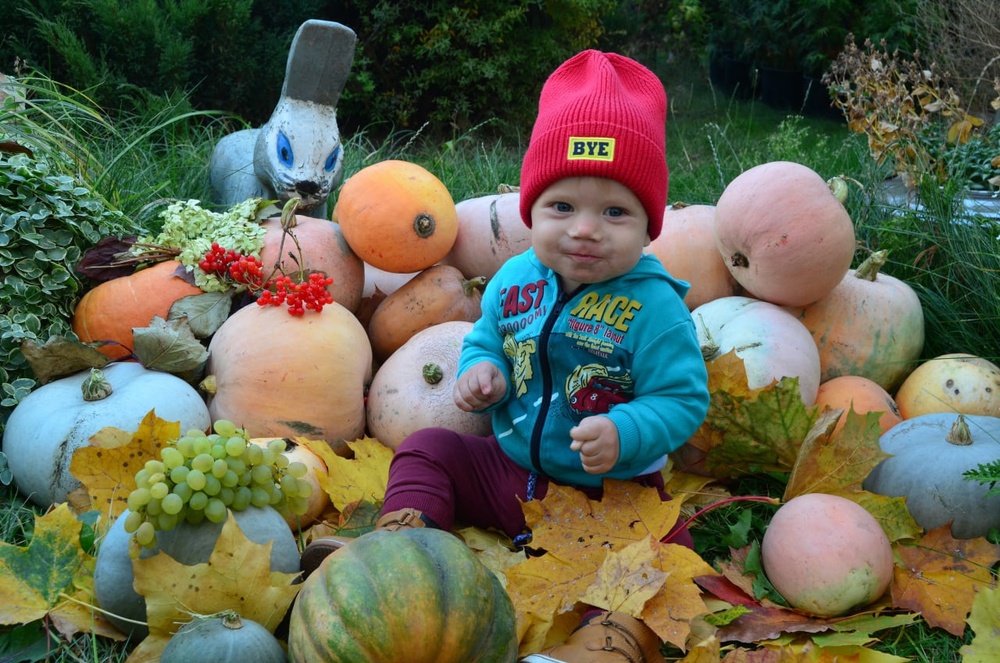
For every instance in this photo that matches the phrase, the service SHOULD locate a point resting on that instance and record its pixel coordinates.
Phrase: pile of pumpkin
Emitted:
(769, 267)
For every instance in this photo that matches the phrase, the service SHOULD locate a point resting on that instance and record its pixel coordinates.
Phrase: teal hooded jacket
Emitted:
(625, 348)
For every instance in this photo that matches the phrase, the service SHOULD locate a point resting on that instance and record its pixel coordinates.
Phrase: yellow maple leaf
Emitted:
(36, 578)
(107, 466)
(840, 462)
(626, 579)
(236, 577)
(577, 535)
(985, 622)
(939, 577)
(349, 480)
(679, 603)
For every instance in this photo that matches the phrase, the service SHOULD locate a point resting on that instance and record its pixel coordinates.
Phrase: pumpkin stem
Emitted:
(423, 225)
(432, 373)
(868, 270)
(469, 285)
(838, 186)
(209, 385)
(231, 620)
(710, 350)
(95, 386)
(959, 435)
(288, 219)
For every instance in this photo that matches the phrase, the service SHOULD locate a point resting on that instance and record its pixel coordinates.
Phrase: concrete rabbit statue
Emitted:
(298, 152)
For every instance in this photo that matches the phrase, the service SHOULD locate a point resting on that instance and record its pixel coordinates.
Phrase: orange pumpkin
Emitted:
(490, 231)
(686, 247)
(413, 388)
(783, 234)
(956, 383)
(318, 246)
(279, 375)
(397, 216)
(110, 310)
(379, 284)
(440, 293)
(871, 324)
(858, 393)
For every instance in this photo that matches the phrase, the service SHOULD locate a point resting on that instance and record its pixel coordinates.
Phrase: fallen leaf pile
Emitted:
(586, 553)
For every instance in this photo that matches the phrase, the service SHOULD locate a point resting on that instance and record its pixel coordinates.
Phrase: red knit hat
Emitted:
(600, 115)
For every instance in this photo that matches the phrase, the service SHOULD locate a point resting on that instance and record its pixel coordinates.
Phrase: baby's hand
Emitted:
(596, 438)
(479, 387)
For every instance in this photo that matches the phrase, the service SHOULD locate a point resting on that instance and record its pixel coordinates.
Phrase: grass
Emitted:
(138, 162)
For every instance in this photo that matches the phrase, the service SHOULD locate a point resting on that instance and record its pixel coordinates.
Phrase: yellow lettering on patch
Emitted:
(591, 149)
(615, 311)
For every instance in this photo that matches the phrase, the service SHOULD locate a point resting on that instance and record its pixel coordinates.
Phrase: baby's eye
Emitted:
(615, 211)
(563, 207)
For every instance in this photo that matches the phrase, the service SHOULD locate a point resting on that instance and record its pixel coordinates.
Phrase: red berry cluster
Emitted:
(230, 265)
(310, 294)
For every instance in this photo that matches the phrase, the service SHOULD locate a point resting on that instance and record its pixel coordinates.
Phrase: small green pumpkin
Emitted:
(413, 596)
(930, 454)
(223, 638)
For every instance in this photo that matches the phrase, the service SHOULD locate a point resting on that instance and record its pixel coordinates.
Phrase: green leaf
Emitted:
(170, 346)
(61, 356)
(205, 313)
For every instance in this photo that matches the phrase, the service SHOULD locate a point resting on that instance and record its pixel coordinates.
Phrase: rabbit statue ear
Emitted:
(319, 62)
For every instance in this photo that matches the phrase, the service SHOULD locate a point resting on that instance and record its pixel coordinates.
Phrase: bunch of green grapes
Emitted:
(201, 476)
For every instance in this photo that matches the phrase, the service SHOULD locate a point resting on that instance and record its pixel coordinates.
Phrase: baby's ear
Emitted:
(319, 62)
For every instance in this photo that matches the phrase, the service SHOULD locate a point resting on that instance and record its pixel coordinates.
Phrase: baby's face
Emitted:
(588, 229)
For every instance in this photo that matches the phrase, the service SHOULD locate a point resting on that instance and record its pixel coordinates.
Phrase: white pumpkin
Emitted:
(772, 343)
(55, 420)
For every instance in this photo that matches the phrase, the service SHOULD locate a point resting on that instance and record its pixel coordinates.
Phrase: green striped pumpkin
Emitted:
(407, 596)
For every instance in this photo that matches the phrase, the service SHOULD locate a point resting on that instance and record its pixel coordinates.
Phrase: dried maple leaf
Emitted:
(107, 466)
(939, 577)
(362, 478)
(836, 463)
(985, 621)
(236, 577)
(577, 535)
(36, 579)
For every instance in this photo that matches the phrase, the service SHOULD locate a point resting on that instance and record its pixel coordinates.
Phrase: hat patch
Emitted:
(591, 149)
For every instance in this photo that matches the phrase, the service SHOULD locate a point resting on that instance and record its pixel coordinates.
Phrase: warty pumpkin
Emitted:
(278, 375)
(440, 293)
(413, 388)
(110, 310)
(784, 236)
(490, 231)
(871, 324)
(954, 382)
(686, 247)
(397, 216)
(318, 246)
(407, 596)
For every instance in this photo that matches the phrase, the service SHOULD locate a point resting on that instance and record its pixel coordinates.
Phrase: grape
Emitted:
(146, 534)
(202, 445)
(254, 454)
(132, 521)
(202, 462)
(196, 479)
(184, 490)
(259, 497)
(219, 468)
(305, 488)
(154, 466)
(172, 504)
(216, 511)
(276, 446)
(230, 479)
(159, 490)
(241, 498)
(297, 469)
(172, 458)
(138, 498)
(260, 474)
(236, 446)
(198, 501)
(237, 465)
(281, 461)
(289, 486)
(212, 485)
(186, 446)
(179, 474)
(225, 428)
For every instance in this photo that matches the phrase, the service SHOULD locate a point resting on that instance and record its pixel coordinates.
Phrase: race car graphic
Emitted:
(591, 389)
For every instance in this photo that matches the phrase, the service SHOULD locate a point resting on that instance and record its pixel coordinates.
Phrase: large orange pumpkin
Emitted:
(397, 216)
(440, 293)
(279, 375)
(318, 246)
(871, 324)
(490, 231)
(686, 247)
(784, 236)
(110, 310)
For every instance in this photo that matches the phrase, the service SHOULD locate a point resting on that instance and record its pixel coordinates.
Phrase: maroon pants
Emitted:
(453, 477)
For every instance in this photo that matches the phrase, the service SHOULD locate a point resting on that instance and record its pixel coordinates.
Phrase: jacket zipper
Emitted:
(543, 365)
